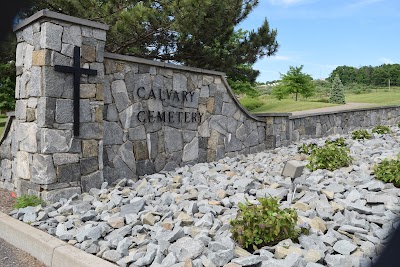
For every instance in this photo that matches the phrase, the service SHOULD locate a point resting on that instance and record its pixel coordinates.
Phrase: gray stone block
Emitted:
(113, 133)
(68, 173)
(64, 110)
(43, 171)
(145, 167)
(46, 111)
(91, 130)
(51, 36)
(173, 139)
(293, 168)
(89, 165)
(54, 141)
(55, 195)
(94, 180)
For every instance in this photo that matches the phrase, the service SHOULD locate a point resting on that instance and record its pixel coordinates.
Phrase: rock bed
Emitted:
(181, 218)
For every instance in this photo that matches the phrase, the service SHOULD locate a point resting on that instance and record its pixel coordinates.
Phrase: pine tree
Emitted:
(196, 33)
(337, 92)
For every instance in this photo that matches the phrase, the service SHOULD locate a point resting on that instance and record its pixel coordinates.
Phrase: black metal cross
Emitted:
(77, 71)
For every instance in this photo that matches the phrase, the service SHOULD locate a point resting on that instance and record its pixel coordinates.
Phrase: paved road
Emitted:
(11, 256)
(346, 106)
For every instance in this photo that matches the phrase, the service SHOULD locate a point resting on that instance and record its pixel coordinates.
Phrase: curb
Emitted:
(48, 249)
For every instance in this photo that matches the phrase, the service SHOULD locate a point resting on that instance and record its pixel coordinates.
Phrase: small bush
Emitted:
(361, 134)
(381, 129)
(306, 148)
(330, 157)
(25, 201)
(337, 142)
(263, 225)
(388, 171)
(398, 125)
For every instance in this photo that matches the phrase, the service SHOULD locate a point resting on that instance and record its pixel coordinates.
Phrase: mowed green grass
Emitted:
(288, 105)
(377, 97)
(3, 120)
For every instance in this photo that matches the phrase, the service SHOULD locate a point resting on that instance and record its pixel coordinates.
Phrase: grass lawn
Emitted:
(270, 104)
(3, 120)
(288, 105)
(380, 98)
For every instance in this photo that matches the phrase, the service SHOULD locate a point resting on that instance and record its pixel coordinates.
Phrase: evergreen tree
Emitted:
(197, 33)
(337, 91)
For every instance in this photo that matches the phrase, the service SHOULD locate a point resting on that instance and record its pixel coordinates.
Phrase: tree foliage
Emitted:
(368, 75)
(7, 86)
(337, 92)
(199, 33)
(294, 82)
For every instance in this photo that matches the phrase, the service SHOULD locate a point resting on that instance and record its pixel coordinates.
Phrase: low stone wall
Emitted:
(343, 122)
(160, 116)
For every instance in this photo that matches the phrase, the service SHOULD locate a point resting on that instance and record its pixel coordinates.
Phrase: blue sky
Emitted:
(324, 34)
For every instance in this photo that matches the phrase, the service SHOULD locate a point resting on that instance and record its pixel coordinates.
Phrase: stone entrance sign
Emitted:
(136, 116)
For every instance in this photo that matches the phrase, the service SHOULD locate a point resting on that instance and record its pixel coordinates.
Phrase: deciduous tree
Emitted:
(295, 82)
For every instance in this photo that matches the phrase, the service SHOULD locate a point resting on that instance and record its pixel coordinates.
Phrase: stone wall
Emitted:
(160, 116)
(325, 124)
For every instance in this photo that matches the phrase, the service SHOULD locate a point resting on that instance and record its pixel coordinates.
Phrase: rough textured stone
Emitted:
(293, 168)
(51, 36)
(187, 247)
(54, 141)
(43, 171)
(94, 180)
(344, 247)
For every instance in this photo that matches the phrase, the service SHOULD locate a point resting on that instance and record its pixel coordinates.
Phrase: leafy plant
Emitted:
(266, 224)
(398, 124)
(381, 129)
(27, 200)
(388, 171)
(330, 157)
(361, 134)
(337, 142)
(306, 148)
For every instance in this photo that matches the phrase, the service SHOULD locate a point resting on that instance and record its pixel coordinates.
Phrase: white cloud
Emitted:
(386, 60)
(280, 58)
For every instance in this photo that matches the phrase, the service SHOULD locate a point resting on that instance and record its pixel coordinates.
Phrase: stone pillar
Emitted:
(49, 160)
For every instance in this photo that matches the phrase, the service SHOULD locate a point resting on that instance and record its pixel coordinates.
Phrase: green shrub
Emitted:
(251, 103)
(25, 201)
(398, 124)
(337, 142)
(361, 134)
(263, 225)
(306, 148)
(330, 157)
(388, 171)
(381, 129)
